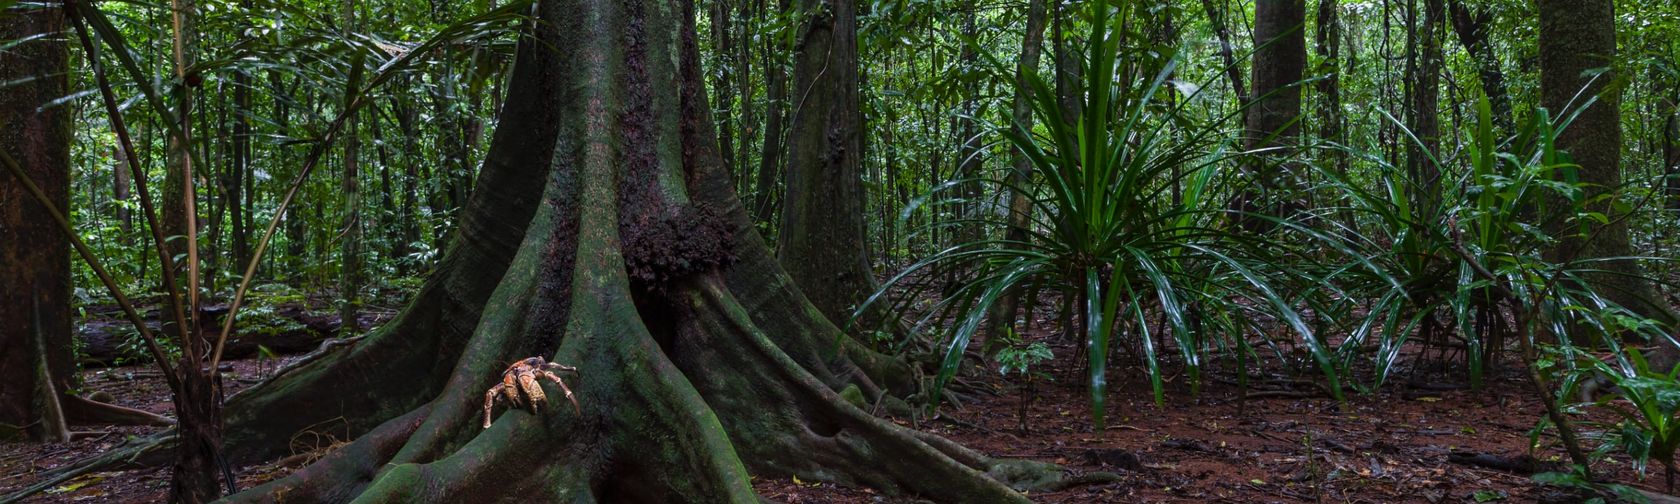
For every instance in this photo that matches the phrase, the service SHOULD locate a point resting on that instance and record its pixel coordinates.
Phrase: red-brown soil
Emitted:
(1296, 445)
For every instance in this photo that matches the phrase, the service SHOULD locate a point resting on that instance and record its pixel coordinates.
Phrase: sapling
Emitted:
(1018, 358)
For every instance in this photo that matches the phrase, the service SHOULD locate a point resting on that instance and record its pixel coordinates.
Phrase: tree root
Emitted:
(83, 411)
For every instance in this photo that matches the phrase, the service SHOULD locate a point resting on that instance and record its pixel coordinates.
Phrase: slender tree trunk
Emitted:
(238, 199)
(1069, 69)
(406, 117)
(175, 197)
(822, 231)
(748, 120)
(1227, 54)
(1671, 144)
(765, 204)
(1328, 40)
(1423, 66)
(970, 157)
(296, 233)
(350, 253)
(390, 232)
(723, 76)
(1020, 173)
(1474, 29)
(1577, 36)
(120, 187)
(35, 316)
(194, 477)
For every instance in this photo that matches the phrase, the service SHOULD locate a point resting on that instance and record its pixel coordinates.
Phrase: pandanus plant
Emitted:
(1127, 221)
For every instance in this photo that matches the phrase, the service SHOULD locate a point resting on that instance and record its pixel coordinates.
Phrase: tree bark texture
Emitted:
(822, 231)
(35, 316)
(604, 233)
(1577, 36)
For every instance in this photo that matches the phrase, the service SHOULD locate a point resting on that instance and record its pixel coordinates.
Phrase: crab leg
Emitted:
(564, 388)
(489, 402)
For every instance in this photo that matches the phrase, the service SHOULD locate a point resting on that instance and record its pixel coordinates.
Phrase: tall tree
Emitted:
(723, 80)
(1474, 27)
(1327, 40)
(1020, 166)
(604, 233)
(1274, 110)
(1577, 50)
(770, 159)
(1423, 66)
(970, 154)
(822, 230)
(1227, 54)
(35, 311)
(350, 253)
(178, 199)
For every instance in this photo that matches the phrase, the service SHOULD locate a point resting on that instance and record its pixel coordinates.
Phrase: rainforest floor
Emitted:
(1424, 438)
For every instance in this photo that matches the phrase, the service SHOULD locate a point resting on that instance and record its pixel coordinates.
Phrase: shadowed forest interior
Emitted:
(813, 251)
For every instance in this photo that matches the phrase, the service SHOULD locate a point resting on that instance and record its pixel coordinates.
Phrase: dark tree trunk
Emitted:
(820, 243)
(1474, 28)
(1423, 66)
(970, 155)
(238, 203)
(1280, 58)
(604, 234)
(35, 311)
(747, 122)
(767, 188)
(350, 251)
(1328, 40)
(406, 117)
(723, 77)
(1577, 36)
(176, 200)
(1227, 54)
(1069, 69)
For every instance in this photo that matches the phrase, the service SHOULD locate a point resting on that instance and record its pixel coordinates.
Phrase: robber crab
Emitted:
(520, 388)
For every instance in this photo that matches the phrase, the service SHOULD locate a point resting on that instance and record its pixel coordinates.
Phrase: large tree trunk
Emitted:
(604, 234)
(1577, 36)
(34, 254)
(822, 231)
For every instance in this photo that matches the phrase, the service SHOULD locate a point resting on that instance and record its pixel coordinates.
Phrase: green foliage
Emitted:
(1575, 479)
(1020, 359)
(1499, 210)
(1647, 402)
(1126, 223)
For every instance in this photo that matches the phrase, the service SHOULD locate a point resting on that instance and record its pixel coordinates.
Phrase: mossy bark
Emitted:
(700, 364)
